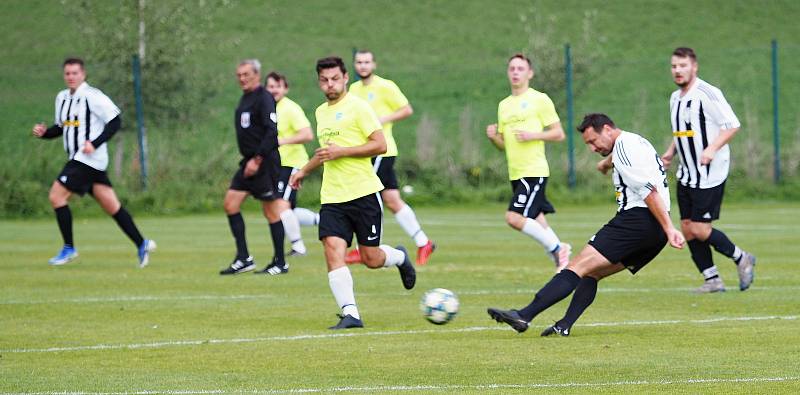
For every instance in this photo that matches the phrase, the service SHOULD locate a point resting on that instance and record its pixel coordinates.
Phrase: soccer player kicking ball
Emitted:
(349, 135)
(526, 120)
(87, 119)
(636, 235)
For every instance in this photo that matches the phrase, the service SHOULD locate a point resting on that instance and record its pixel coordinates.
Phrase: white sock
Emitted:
(711, 272)
(394, 257)
(737, 254)
(408, 221)
(292, 228)
(548, 240)
(306, 217)
(552, 234)
(341, 283)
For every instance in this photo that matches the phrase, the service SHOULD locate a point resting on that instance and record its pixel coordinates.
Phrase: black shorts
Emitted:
(286, 192)
(700, 205)
(263, 184)
(384, 168)
(529, 197)
(79, 177)
(633, 237)
(362, 216)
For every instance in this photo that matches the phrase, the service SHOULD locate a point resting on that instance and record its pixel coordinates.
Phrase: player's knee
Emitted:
(373, 257)
(230, 207)
(56, 199)
(515, 220)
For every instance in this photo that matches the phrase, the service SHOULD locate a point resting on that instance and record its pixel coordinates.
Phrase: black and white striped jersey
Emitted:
(697, 117)
(83, 115)
(637, 172)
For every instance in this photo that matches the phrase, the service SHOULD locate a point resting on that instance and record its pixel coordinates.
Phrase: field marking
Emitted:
(155, 298)
(437, 387)
(134, 346)
(500, 223)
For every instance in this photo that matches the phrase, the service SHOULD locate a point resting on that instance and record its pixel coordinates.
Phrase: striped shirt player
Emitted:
(349, 135)
(391, 105)
(85, 119)
(526, 119)
(702, 125)
(294, 130)
(634, 236)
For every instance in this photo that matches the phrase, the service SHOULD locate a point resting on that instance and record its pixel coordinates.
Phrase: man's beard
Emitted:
(333, 95)
(364, 77)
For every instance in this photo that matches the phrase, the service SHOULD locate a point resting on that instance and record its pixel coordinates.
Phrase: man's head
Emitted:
(364, 61)
(520, 71)
(599, 133)
(277, 85)
(332, 77)
(249, 74)
(74, 74)
(684, 66)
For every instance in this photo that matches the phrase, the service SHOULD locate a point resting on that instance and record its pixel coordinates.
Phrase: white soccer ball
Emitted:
(439, 306)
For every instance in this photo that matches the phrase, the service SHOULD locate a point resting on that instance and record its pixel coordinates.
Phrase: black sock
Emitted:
(236, 223)
(701, 255)
(64, 219)
(581, 299)
(277, 232)
(559, 287)
(723, 244)
(125, 222)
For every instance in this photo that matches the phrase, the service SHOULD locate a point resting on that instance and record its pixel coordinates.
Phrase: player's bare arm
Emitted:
(375, 145)
(666, 158)
(553, 132)
(302, 136)
(725, 135)
(495, 137)
(605, 165)
(296, 179)
(656, 207)
(252, 165)
(401, 113)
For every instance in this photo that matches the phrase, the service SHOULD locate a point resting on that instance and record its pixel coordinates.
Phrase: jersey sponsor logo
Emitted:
(683, 133)
(74, 123)
(328, 133)
(273, 117)
(244, 120)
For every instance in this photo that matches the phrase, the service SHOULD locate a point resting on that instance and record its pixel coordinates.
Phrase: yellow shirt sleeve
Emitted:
(395, 97)
(297, 119)
(366, 120)
(547, 113)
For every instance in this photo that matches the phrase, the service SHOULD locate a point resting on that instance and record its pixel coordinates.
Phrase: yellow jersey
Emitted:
(348, 123)
(531, 111)
(385, 98)
(291, 119)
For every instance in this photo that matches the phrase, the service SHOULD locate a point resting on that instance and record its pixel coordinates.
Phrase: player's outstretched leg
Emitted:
(306, 217)
(291, 226)
(386, 256)
(701, 255)
(559, 252)
(743, 260)
(408, 221)
(582, 298)
(68, 251)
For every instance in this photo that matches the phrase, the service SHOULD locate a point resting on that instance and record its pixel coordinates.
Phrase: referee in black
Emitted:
(257, 135)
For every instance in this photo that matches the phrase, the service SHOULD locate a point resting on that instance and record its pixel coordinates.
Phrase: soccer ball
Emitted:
(439, 306)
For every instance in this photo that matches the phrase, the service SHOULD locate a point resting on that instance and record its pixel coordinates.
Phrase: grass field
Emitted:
(100, 325)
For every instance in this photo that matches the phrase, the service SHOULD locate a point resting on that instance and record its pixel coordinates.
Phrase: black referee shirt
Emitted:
(256, 124)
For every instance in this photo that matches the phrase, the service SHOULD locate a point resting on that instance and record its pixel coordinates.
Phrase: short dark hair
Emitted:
(77, 61)
(685, 52)
(522, 56)
(596, 121)
(277, 77)
(331, 62)
(364, 51)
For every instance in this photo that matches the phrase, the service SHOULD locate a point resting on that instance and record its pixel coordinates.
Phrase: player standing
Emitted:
(526, 120)
(349, 134)
(391, 105)
(702, 125)
(87, 119)
(637, 233)
(256, 126)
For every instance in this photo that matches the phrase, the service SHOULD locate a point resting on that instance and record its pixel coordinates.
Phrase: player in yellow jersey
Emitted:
(294, 129)
(349, 133)
(526, 120)
(391, 106)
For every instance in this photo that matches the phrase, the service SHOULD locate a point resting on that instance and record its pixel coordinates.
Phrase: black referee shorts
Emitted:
(700, 205)
(286, 192)
(530, 198)
(263, 184)
(79, 177)
(384, 169)
(362, 216)
(633, 237)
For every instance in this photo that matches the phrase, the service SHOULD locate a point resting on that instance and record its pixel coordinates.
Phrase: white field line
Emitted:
(133, 346)
(157, 298)
(432, 387)
(500, 223)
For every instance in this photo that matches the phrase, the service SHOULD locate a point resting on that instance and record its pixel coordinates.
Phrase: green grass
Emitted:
(197, 331)
(449, 59)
